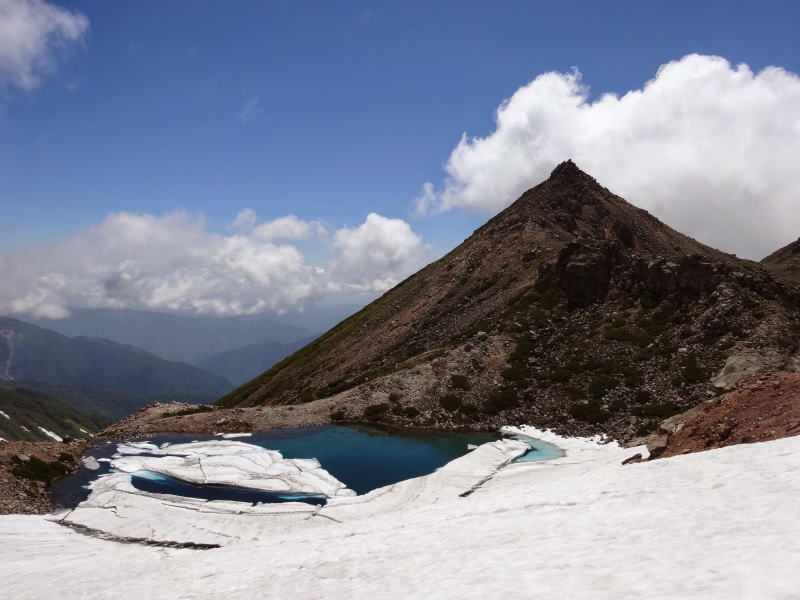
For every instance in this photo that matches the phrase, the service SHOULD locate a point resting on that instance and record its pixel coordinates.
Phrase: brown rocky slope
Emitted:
(762, 407)
(786, 260)
(571, 309)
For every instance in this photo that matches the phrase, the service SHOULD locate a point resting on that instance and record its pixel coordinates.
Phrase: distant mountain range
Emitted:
(97, 375)
(105, 402)
(173, 337)
(113, 362)
(242, 364)
(28, 352)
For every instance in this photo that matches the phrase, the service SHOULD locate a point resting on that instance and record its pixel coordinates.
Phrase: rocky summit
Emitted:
(571, 309)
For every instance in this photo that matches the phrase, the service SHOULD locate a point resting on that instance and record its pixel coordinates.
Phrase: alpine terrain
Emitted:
(571, 309)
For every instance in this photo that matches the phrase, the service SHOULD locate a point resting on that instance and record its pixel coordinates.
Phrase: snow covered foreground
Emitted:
(718, 524)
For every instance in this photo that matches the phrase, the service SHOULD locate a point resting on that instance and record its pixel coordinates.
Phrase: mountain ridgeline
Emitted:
(96, 375)
(242, 364)
(570, 309)
(173, 337)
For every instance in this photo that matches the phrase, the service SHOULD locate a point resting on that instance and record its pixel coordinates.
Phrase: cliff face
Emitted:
(570, 309)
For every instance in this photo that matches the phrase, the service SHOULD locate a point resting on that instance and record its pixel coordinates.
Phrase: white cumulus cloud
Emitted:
(174, 262)
(708, 147)
(377, 241)
(282, 228)
(32, 34)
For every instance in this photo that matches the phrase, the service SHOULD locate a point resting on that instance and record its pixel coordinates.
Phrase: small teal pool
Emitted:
(539, 450)
(363, 458)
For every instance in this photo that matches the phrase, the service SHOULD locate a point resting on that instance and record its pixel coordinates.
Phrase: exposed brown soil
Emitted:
(766, 406)
(161, 418)
(19, 495)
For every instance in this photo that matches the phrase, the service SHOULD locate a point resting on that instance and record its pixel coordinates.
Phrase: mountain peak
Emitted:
(567, 172)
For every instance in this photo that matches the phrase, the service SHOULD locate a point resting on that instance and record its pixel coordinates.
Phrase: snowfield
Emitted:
(719, 524)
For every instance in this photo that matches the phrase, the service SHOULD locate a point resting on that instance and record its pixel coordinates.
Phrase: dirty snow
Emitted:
(90, 462)
(50, 434)
(720, 524)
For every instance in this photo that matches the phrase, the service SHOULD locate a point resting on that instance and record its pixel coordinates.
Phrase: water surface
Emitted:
(363, 458)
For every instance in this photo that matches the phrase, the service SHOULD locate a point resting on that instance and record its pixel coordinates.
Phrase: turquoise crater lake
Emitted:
(364, 458)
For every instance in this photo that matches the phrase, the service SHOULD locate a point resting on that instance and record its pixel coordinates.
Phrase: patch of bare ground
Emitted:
(24, 467)
(765, 406)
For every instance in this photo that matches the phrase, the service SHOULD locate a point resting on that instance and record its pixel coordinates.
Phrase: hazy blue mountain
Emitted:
(322, 318)
(24, 414)
(174, 337)
(28, 352)
(241, 365)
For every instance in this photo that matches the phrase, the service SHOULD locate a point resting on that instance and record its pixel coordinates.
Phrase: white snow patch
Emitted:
(229, 436)
(3, 439)
(222, 462)
(135, 448)
(714, 525)
(25, 428)
(50, 434)
(5, 415)
(90, 462)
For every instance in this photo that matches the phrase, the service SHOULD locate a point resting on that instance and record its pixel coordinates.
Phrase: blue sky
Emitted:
(324, 110)
(359, 102)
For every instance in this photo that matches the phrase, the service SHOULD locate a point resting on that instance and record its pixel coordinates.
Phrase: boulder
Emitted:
(741, 365)
(657, 446)
(633, 459)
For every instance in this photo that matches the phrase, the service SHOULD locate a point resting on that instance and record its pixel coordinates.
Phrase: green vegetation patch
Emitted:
(39, 470)
(450, 402)
(515, 372)
(692, 372)
(460, 382)
(601, 385)
(658, 410)
(632, 335)
(376, 412)
(560, 374)
(500, 400)
(411, 412)
(591, 412)
(203, 408)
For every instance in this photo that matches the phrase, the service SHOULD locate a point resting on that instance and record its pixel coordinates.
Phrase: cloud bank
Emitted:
(174, 262)
(707, 147)
(32, 34)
